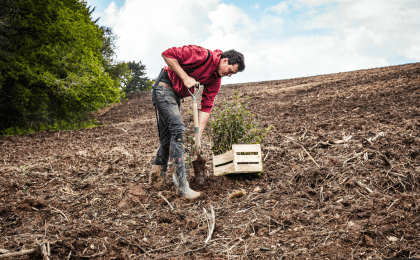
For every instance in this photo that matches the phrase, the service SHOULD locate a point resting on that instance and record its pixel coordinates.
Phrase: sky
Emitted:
(279, 39)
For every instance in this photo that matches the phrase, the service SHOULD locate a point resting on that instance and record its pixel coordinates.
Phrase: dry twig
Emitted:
(212, 222)
(62, 213)
(160, 195)
(130, 243)
(303, 149)
(45, 251)
(82, 197)
(23, 252)
(364, 186)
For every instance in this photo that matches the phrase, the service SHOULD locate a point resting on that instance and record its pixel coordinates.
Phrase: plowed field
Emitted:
(341, 180)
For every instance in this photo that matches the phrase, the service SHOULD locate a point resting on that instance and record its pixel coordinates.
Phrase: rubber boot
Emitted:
(179, 176)
(157, 177)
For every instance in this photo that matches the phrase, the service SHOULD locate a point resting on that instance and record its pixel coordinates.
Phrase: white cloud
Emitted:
(271, 23)
(146, 29)
(300, 38)
(375, 27)
(228, 18)
(308, 55)
(256, 6)
(281, 8)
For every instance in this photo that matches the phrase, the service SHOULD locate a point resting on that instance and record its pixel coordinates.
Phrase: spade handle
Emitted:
(195, 115)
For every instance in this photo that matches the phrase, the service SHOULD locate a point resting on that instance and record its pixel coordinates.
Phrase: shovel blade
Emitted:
(199, 169)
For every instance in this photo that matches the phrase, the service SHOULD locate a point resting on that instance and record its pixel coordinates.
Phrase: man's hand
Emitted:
(174, 65)
(190, 82)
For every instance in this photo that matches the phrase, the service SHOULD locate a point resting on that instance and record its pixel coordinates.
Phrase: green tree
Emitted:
(128, 76)
(138, 81)
(108, 47)
(120, 73)
(51, 65)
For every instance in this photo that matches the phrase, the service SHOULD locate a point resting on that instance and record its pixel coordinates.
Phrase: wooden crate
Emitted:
(235, 161)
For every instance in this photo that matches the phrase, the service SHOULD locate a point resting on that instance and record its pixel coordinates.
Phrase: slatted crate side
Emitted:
(237, 159)
(247, 168)
(221, 159)
(246, 148)
(256, 165)
(246, 158)
(224, 169)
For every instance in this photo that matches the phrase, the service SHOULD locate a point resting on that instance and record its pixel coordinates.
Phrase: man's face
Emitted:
(225, 69)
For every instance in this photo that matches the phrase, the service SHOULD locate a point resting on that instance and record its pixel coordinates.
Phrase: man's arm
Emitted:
(189, 82)
(202, 121)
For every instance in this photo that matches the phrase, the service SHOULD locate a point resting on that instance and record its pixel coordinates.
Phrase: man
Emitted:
(187, 67)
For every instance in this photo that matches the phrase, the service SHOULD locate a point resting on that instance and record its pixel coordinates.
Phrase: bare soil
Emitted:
(341, 179)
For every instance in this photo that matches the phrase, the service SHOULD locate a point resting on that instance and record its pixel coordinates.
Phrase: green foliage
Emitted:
(120, 74)
(51, 65)
(108, 46)
(128, 76)
(138, 81)
(54, 127)
(234, 124)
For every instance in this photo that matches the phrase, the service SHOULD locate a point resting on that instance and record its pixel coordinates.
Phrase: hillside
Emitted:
(341, 179)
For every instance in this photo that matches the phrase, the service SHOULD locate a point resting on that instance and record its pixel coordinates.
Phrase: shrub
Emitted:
(234, 124)
(63, 125)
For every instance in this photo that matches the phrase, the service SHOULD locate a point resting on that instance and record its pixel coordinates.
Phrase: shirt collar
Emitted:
(216, 60)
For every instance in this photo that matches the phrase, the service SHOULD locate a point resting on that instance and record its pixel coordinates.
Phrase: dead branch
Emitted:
(391, 204)
(368, 141)
(47, 183)
(377, 136)
(62, 213)
(82, 197)
(303, 149)
(45, 251)
(244, 210)
(23, 252)
(397, 174)
(130, 243)
(212, 222)
(275, 231)
(160, 195)
(345, 139)
(364, 186)
(92, 256)
(266, 156)
(354, 157)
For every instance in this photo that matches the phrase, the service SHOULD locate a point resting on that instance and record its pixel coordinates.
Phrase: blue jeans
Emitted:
(170, 125)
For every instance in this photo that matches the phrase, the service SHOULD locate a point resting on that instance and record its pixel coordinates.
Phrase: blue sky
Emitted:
(280, 39)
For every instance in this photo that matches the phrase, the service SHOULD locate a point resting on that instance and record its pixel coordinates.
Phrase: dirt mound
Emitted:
(341, 179)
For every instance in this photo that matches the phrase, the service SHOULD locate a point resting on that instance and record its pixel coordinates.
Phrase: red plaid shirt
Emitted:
(192, 56)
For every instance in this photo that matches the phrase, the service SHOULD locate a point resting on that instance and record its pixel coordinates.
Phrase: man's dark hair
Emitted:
(234, 58)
